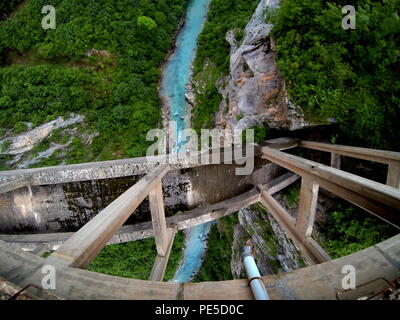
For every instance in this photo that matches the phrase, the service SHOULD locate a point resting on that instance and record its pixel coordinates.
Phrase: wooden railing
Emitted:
(392, 159)
(381, 200)
(82, 248)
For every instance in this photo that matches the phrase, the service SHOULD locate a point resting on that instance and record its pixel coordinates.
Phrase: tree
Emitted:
(146, 22)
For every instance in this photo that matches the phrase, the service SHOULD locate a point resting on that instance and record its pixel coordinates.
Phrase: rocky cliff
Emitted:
(254, 92)
(273, 251)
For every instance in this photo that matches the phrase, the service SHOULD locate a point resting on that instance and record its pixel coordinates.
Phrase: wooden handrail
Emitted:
(374, 197)
(392, 159)
(380, 156)
(80, 250)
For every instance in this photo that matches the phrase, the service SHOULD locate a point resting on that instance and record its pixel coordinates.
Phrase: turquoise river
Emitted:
(176, 76)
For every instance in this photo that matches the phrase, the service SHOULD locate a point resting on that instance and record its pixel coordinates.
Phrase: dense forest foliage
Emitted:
(47, 73)
(350, 75)
(213, 49)
(350, 229)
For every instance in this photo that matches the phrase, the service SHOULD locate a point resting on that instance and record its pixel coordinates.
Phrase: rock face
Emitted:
(255, 93)
(20, 148)
(27, 140)
(272, 250)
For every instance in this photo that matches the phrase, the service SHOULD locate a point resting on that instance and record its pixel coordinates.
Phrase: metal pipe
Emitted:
(256, 283)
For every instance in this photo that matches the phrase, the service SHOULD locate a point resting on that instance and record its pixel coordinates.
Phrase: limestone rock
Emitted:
(273, 251)
(255, 94)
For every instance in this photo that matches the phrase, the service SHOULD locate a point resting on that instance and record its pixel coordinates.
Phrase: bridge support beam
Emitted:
(312, 254)
(308, 206)
(393, 178)
(14, 185)
(161, 262)
(336, 160)
(158, 219)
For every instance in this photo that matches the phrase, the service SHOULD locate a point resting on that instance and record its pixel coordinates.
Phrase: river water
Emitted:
(176, 76)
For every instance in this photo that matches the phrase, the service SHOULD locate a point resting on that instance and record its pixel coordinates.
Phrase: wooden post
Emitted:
(158, 218)
(161, 263)
(307, 206)
(393, 177)
(336, 160)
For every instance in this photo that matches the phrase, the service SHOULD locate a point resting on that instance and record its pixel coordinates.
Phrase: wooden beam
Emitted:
(281, 182)
(393, 177)
(336, 160)
(381, 156)
(14, 185)
(308, 206)
(281, 143)
(182, 220)
(161, 262)
(80, 250)
(372, 196)
(287, 223)
(158, 218)
(318, 249)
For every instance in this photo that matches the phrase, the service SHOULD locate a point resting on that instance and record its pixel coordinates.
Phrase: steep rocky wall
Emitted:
(272, 250)
(254, 92)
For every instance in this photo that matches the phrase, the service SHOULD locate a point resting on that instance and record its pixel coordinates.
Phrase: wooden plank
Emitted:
(381, 156)
(318, 248)
(161, 262)
(80, 250)
(311, 255)
(393, 177)
(336, 160)
(14, 185)
(321, 282)
(281, 182)
(281, 143)
(307, 207)
(235, 290)
(375, 197)
(158, 218)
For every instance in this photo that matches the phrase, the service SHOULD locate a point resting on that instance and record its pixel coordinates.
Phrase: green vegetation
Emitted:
(135, 259)
(213, 50)
(264, 230)
(292, 194)
(4, 146)
(350, 230)
(48, 73)
(47, 254)
(351, 75)
(217, 262)
(146, 22)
